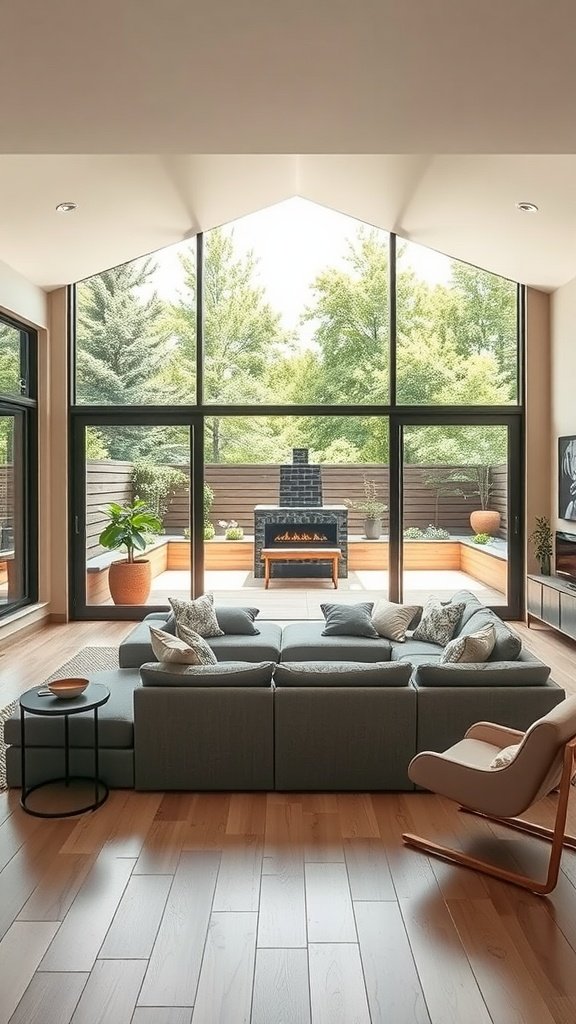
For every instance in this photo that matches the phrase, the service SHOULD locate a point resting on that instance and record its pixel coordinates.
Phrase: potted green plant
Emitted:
(372, 507)
(231, 528)
(129, 526)
(541, 537)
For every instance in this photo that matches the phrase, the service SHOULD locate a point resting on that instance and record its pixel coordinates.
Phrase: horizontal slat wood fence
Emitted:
(237, 489)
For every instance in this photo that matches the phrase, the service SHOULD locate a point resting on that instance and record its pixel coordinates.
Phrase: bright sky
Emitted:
(293, 242)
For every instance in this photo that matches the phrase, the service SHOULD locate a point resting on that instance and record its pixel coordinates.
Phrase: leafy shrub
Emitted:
(481, 538)
(209, 531)
(157, 484)
(436, 533)
(413, 533)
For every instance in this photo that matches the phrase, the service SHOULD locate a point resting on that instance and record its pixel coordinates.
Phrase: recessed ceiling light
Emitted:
(66, 207)
(527, 207)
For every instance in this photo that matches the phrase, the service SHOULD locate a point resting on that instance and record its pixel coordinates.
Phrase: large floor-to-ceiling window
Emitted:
(18, 466)
(383, 372)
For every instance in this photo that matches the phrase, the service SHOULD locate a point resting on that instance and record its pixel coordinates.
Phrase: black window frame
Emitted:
(199, 411)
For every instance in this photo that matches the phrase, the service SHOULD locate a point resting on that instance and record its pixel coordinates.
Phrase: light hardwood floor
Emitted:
(278, 908)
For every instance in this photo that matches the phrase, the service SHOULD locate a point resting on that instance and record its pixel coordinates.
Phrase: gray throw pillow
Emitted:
(228, 673)
(198, 615)
(438, 622)
(237, 621)
(342, 673)
(348, 619)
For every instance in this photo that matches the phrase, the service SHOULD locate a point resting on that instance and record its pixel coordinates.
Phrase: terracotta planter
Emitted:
(130, 582)
(485, 520)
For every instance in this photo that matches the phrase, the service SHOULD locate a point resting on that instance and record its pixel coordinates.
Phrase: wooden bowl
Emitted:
(67, 688)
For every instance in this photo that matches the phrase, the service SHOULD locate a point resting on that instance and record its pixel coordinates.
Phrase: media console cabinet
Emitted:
(552, 601)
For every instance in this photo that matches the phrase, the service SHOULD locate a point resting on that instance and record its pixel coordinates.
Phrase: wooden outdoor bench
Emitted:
(332, 555)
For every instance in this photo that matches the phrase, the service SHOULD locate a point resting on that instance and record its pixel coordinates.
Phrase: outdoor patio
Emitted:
(301, 599)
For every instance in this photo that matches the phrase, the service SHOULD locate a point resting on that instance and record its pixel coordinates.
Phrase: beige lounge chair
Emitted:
(545, 760)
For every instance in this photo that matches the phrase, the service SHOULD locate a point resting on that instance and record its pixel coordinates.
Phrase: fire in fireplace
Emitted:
(300, 535)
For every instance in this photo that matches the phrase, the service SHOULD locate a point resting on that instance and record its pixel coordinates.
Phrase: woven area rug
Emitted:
(88, 660)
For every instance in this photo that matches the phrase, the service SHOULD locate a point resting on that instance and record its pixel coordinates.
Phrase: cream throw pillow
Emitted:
(392, 620)
(475, 647)
(505, 757)
(170, 649)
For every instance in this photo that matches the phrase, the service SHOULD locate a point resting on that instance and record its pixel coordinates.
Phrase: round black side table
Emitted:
(33, 703)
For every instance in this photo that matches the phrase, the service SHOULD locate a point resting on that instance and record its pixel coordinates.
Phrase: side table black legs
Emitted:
(94, 696)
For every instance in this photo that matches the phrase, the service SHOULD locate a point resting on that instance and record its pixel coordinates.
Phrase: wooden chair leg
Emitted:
(556, 836)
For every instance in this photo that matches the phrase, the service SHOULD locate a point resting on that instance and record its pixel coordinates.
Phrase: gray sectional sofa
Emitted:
(291, 709)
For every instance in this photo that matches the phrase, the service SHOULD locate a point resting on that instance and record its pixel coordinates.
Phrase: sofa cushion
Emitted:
(305, 641)
(471, 647)
(416, 652)
(198, 615)
(490, 673)
(341, 673)
(241, 647)
(438, 622)
(348, 619)
(168, 648)
(391, 620)
(507, 644)
(228, 673)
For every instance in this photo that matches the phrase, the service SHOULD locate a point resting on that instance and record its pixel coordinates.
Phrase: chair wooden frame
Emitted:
(556, 836)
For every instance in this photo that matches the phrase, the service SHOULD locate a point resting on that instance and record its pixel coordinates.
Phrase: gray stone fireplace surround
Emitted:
(301, 506)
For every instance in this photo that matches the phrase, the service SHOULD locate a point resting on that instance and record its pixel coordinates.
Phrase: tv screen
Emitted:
(567, 477)
(566, 556)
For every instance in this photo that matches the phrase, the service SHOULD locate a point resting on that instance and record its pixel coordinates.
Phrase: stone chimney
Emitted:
(301, 482)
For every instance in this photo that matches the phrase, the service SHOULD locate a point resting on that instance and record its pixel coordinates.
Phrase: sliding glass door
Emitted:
(459, 510)
(133, 525)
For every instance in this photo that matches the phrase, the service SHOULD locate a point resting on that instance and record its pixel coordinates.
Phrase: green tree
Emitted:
(122, 337)
(242, 333)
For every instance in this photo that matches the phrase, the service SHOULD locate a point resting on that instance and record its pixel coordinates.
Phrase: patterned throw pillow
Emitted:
(392, 620)
(203, 651)
(168, 648)
(198, 615)
(505, 757)
(472, 648)
(438, 622)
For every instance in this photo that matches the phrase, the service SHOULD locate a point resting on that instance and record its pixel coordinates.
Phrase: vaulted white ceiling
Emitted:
(95, 100)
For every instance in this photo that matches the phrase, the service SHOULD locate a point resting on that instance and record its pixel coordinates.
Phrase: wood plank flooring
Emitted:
(278, 908)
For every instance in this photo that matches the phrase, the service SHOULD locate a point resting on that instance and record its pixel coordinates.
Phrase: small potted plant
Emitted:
(372, 507)
(541, 537)
(129, 526)
(231, 528)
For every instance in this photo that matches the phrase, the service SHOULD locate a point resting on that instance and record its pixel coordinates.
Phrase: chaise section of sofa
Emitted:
(343, 726)
(45, 738)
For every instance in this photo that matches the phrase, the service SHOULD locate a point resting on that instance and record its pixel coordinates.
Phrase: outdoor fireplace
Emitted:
(300, 520)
